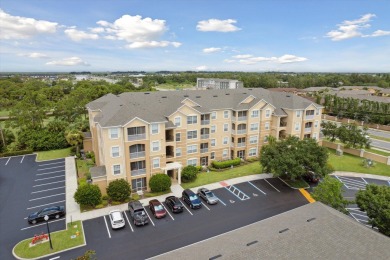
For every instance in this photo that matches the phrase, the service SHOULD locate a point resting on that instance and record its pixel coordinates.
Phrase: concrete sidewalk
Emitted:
(72, 208)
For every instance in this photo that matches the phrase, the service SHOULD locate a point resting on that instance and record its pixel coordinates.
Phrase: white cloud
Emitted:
(152, 44)
(229, 61)
(215, 25)
(96, 30)
(77, 35)
(34, 55)
(17, 27)
(201, 68)
(287, 58)
(248, 59)
(73, 61)
(211, 50)
(351, 29)
(243, 56)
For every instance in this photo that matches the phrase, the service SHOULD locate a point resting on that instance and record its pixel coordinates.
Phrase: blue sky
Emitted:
(229, 35)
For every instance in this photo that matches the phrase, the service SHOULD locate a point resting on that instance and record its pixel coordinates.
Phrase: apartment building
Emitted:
(136, 135)
(209, 83)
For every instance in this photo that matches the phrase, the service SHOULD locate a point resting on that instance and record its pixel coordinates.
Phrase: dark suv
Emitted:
(191, 199)
(137, 213)
(174, 204)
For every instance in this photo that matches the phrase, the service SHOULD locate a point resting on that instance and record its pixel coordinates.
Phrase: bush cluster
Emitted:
(42, 139)
(88, 195)
(189, 173)
(15, 153)
(226, 164)
(119, 190)
(160, 182)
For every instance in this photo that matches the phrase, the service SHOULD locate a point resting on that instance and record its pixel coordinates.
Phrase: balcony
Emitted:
(138, 172)
(204, 122)
(241, 131)
(137, 155)
(205, 136)
(242, 118)
(204, 150)
(242, 144)
(307, 129)
(282, 124)
(309, 117)
(136, 137)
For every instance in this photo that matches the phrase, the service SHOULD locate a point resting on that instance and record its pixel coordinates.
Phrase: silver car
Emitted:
(208, 196)
(116, 219)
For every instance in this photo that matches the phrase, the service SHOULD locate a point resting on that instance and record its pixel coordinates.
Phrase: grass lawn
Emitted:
(380, 138)
(175, 86)
(54, 154)
(4, 113)
(61, 240)
(214, 176)
(372, 150)
(298, 184)
(350, 163)
(83, 167)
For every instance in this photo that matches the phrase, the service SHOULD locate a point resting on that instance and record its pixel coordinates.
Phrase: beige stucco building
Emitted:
(138, 134)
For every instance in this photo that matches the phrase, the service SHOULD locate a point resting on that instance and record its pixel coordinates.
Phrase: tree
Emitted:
(119, 190)
(329, 129)
(6, 138)
(291, 158)
(329, 192)
(352, 136)
(74, 138)
(88, 195)
(189, 173)
(375, 201)
(160, 182)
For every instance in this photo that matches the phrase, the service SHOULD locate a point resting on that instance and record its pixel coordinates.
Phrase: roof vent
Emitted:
(227, 94)
(185, 95)
(146, 93)
(288, 96)
(244, 93)
(198, 96)
(215, 96)
(249, 88)
(164, 97)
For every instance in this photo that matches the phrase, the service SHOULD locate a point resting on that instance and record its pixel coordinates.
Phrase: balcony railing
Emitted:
(137, 155)
(136, 137)
(242, 118)
(138, 172)
(309, 117)
(205, 122)
(169, 138)
(283, 124)
(241, 131)
(170, 155)
(205, 136)
(204, 150)
(242, 144)
(307, 129)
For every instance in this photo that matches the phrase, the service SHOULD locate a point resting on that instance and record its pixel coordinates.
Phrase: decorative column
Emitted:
(179, 177)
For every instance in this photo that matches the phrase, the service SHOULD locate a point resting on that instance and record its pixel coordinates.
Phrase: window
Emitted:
(178, 137)
(192, 148)
(225, 127)
(314, 135)
(115, 151)
(192, 120)
(255, 113)
(266, 139)
(192, 134)
(178, 121)
(267, 113)
(114, 133)
(226, 114)
(178, 152)
(298, 113)
(225, 140)
(297, 126)
(138, 184)
(266, 125)
(317, 112)
(212, 156)
(212, 142)
(156, 146)
(225, 153)
(213, 115)
(316, 124)
(252, 152)
(156, 163)
(154, 129)
(192, 162)
(253, 139)
(255, 127)
(116, 169)
(213, 129)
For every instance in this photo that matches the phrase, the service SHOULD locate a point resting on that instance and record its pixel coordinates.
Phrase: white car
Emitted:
(116, 218)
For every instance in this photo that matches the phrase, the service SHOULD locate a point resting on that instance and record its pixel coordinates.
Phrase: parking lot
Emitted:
(27, 186)
(239, 205)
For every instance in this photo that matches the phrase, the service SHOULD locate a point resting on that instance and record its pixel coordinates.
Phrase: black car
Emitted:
(191, 199)
(311, 177)
(174, 204)
(52, 212)
(137, 213)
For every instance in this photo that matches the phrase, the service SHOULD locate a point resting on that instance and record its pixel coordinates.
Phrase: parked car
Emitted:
(137, 213)
(116, 218)
(311, 177)
(191, 199)
(208, 196)
(52, 212)
(174, 204)
(157, 208)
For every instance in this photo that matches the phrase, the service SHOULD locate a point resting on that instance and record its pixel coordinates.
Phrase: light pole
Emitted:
(48, 230)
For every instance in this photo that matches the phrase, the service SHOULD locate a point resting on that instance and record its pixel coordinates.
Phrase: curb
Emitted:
(293, 187)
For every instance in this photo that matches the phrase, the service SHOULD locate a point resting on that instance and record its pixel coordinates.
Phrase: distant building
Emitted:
(202, 83)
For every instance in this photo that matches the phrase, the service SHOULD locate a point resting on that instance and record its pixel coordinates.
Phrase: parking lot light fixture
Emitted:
(48, 230)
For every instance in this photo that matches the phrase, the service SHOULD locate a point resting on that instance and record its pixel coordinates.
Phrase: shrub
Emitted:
(119, 190)
(189, 173)
(88, 195)
(105, 197)
(199, 168)
(15, 153)
(226, 164)
(160, 182)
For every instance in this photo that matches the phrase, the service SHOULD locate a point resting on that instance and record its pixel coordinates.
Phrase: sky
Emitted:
(202, 35)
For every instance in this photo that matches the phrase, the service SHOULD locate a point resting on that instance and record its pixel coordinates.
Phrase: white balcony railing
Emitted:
(137, 155)
(136, 137)
(138, 172)
(205, 136)
(242, 144)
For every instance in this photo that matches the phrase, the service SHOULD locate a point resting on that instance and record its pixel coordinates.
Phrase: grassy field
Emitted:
(175, 86)
(384, 153)
(61, 240)
(206, 178)
(350, 163)
(380, 138)
(4, 113)
(55, 154)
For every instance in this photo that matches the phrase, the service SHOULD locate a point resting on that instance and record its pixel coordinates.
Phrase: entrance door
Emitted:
(241, 154)
(204, 161)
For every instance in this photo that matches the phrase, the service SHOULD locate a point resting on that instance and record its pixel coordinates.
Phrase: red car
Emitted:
(157, 209)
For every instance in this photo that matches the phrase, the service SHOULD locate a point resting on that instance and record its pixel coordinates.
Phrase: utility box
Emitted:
(339, 152)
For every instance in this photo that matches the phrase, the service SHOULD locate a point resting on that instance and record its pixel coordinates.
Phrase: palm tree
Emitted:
(74, 137)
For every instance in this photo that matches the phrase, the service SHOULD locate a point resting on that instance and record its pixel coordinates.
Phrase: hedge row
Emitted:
(16, 153)
(226, 164)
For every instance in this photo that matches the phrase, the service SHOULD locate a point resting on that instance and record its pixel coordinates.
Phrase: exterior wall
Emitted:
(102, 183)
(87, 144)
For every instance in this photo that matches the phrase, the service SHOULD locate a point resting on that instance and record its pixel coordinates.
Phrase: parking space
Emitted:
(352, 183)
(359, 216)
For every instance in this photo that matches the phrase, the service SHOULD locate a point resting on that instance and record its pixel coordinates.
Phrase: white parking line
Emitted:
(50, 163)
(168, 212)
(337, 177)
(257, 188)
(48, 196)
(149, 216)
(48, 183)
(46, 204)
(187, 208)
(39, 174)
(272, 185)
(108, 231)
(8, 161)
(361, 220)
(37, 225)
(364, 180)
(220, 200)
(22, 159)
(49, 178)
(51, 168)
(360, 215)
(54, 258)
(128, 221)
(205, 205)
(48, 190)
